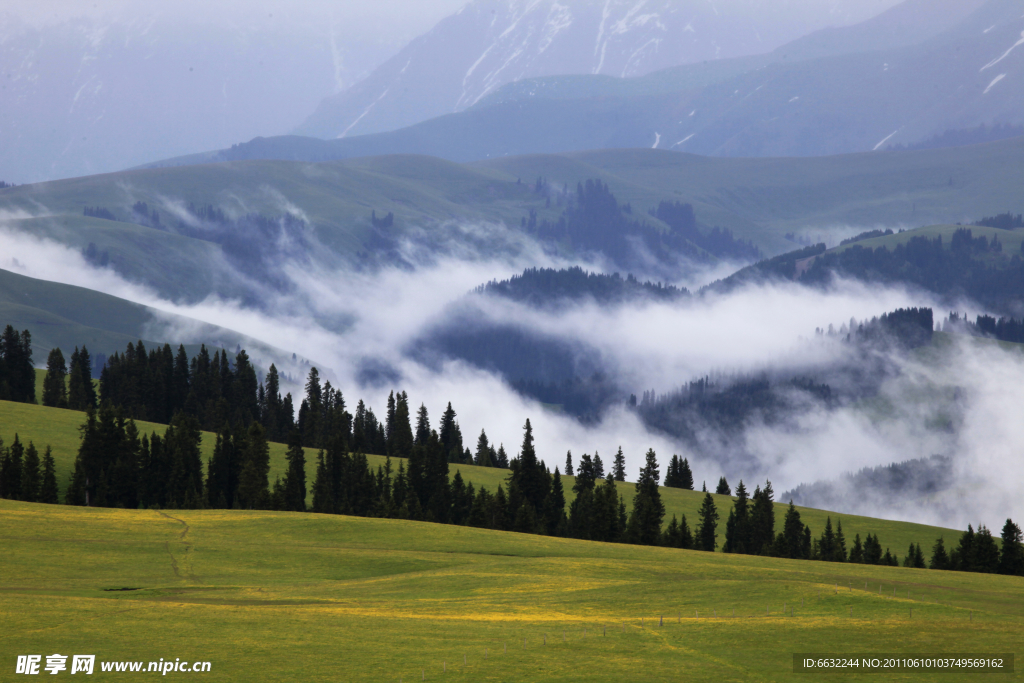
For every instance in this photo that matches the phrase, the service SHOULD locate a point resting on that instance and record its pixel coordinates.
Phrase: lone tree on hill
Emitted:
(619, 466)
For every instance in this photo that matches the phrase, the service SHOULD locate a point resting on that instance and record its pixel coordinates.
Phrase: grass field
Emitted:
(59, 429)
(269, 596)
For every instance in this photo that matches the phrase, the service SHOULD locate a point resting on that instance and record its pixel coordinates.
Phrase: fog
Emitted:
(348, 322)
(102, 86)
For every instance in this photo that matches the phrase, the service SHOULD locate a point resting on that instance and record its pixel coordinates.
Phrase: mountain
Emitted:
(97, 94)
(850, 89)
(493, 42)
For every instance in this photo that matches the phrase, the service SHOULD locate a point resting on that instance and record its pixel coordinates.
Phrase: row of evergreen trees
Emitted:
(69, 388)
(117, 468)
(23, 476)
(158, 384)
(977, 552)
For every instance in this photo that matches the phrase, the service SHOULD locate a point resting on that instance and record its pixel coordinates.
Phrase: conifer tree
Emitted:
(737, 528)
(181, 444)
(678, 535)
(294, 487)
(793, 534)
(708, 525)
(568, 464)
(528, 479)
(402, 439)
(48, 489)
(723, 487)
(672, 472)
(872, 550)
(644, 526)
(619, 467)
(598, 467)
(482, 457)
(839, 550)
(857, 552)
(940, 560)
(389, 423)
(30, 475)
(685, 475)
(986, 553)
(1011, 557)
(17, 373)
(607, 522)
(310, 421)
(222, 471)
(671, 535)
(55, 390)
(10, 470)
(450, 435)
(501, 458)
(322, 498)
(81, 393)
(422, 426)
(554, 507)
(762, 520)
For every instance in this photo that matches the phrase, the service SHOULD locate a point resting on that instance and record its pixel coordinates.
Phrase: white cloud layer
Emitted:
(341, 318)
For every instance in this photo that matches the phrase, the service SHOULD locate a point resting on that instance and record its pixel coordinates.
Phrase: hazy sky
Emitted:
(403, 16)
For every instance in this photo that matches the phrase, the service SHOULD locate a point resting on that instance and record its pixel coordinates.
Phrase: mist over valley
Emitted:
(680, 329)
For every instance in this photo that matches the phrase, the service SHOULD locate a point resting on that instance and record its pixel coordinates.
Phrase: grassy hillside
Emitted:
(67, 317)
(1010, 239)
(759, 199)
(59, 429)
(762, 199)
(285, 596)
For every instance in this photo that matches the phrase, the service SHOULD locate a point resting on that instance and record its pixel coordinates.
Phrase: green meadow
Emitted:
(58, 428)
(267, 596)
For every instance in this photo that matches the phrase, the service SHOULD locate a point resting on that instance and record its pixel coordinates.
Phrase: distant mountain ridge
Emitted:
(493, 42)
(808, 98)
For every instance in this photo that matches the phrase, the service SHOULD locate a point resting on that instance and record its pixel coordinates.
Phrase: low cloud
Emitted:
(343, 319)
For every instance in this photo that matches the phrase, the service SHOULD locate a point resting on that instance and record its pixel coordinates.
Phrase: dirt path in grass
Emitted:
(185, 570)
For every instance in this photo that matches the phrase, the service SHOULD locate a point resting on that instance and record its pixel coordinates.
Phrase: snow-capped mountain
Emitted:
(490, 43)
(96, 94)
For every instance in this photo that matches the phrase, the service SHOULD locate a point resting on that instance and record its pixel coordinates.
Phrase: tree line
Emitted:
(971, 265)
(116, 466)
(1003, 328)
(24, 476)
(594, 220)
(540, 286)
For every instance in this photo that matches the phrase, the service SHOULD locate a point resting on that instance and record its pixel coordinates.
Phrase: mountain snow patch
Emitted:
(994, 81)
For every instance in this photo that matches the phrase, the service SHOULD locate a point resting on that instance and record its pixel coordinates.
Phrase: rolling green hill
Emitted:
(768, 197)
(759, 199)
(268, 596)
(59, 429)
(67, 317)
(1010, 239)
